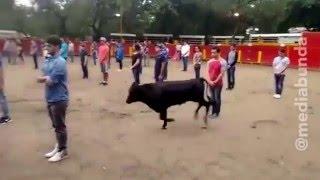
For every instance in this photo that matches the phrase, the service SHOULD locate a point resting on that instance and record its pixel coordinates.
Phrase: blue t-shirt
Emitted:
(162, 55)
(64, 50)
(56, 68)
(119, 52)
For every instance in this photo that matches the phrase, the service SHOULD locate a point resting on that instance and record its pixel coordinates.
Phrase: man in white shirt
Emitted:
(280, 65)
(232, 61)
(185, 52)
(71, 51)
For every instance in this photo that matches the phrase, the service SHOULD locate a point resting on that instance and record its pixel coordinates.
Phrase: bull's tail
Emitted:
(207, 95)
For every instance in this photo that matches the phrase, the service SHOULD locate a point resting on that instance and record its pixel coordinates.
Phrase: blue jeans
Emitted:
(279, 78)
(185, 63)
(4, 104)
(216, 99)
(231, 77)
(136, 74)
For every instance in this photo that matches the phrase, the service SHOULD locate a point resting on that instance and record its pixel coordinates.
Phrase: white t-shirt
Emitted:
(280, 64)
(224, 64)
(185, 50)
(178, 47)
(71, 47)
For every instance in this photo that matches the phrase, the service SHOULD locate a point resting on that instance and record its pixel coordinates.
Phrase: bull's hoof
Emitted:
(164, 128)
(170, 120)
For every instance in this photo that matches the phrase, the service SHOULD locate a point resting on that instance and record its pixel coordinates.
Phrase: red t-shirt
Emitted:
(215, 69)
(103, 53)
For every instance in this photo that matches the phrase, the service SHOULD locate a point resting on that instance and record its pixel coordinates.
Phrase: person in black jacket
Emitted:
(84, 61)
(232, 61)
(136, 63)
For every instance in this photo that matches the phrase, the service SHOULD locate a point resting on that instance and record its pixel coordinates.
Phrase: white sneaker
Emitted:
(53, 152)
(59, 156)
(277, 96)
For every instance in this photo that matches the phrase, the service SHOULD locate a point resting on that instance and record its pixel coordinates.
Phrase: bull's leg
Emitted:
(205, 118)
(197, 111)
(163, 116)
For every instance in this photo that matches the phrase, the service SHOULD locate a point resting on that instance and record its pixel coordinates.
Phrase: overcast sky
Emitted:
(23, 2)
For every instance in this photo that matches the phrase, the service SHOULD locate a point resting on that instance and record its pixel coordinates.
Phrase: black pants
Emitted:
(84, 70)
(94, 57)
(197, 68)
(57, 114)
(136, 75)
(279, 78)
(120, 63)
(231, 77)
(216, 99)
(157, 71)
(35, 60)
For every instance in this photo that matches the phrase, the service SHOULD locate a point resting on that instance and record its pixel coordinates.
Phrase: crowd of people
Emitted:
(58, 51)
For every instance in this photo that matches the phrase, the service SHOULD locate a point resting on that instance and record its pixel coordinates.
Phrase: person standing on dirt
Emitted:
(232, 61)
(104, 58)
(5, 118)
(136, 63)
(84, 60)
(20, 52)
(185, 52)
(280, 65)
(64, 49)
(57, 96)
(215, 73)
(161, 63)
(71, 51)
(197, 58)
(94, 52)
(145, 53)
(119, 54)
(34, 51)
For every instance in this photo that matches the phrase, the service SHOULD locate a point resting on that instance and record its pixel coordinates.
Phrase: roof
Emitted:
(277, 35)
(192, 36)
(227, 37)
(123, 34)
(10, 34)
(157, 35)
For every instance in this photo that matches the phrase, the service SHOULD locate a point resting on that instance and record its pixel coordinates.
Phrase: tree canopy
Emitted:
(80, 18)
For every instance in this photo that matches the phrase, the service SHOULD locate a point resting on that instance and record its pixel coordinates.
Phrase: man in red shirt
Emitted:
(104, 58)
(215, 73)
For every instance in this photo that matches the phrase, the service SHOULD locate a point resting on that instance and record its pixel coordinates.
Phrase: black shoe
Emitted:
(2, 121)
(6, 119)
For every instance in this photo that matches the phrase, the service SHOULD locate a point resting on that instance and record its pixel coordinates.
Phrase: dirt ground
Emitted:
(109, 139)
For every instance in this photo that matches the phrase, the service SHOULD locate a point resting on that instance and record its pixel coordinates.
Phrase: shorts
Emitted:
(104, 67)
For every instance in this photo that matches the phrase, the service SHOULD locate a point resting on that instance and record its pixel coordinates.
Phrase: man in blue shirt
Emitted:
(161, 64)
(119, 55)
(57, 96)
(64, 49)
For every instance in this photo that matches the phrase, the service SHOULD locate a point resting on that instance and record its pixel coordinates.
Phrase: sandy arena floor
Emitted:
(109, 139)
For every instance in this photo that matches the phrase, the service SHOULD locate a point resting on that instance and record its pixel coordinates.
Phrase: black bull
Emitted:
(161, 96)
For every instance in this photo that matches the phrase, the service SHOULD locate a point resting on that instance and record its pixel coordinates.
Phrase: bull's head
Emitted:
(134, 94)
